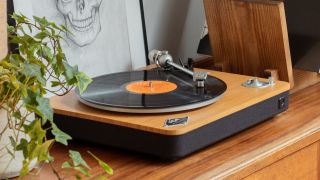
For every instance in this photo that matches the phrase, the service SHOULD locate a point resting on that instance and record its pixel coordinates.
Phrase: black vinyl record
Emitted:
(151, 91)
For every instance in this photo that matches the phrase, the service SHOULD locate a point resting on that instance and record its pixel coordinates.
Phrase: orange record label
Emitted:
(151, 87)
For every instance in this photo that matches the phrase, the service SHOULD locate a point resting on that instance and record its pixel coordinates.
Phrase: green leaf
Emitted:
(55, 26)
(15, 59)
(60, 136)
(42, 151)
(66, 165)
(23, 146)
(19, 18)
(15, 83)
(83, 81)
(10, 29)
(55, 83)
(23, 90)
(77, 159)
(17, 114)
(41, 35)
(82, 170)
(64, 28)
(44, 108)
(32, 146)
(104, 165)
(69, 71)
(41, 21)
(33, 70)
(28, 127)
(46, 53)
(25, 168)
(35, 131)
(31, 99)
(23, 78)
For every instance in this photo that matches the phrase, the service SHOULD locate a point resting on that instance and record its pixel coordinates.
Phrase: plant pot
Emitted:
(10, 166)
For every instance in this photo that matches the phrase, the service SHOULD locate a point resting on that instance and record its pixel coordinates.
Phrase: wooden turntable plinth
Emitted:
(239, 109)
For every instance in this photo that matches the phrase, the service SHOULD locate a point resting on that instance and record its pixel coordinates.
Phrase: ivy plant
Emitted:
(36, 67)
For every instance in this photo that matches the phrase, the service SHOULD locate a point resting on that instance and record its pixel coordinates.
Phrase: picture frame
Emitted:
(122, 44)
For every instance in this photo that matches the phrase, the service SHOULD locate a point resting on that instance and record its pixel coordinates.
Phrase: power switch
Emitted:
(282, 103)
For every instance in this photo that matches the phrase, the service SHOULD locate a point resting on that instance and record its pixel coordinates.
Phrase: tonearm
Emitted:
(164, 60)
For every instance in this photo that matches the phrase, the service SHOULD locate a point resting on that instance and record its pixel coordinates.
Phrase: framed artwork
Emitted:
(106, 35)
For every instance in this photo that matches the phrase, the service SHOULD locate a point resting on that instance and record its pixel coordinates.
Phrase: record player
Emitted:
(169, 111)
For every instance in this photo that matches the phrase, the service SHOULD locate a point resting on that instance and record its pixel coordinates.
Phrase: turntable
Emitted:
(169, 111)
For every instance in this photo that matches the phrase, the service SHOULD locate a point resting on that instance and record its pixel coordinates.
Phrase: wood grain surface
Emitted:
(303, 164)
(235, 99)
(250, 36)
(238, 157)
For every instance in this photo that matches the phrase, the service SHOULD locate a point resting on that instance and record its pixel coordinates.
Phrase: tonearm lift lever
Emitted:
(164, 60)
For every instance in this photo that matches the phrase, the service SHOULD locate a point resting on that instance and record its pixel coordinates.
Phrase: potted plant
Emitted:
(40, 67)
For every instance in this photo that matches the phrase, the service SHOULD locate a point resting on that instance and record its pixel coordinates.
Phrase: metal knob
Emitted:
(256, 83)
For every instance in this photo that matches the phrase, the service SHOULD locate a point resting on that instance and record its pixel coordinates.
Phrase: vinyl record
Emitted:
(153, 91)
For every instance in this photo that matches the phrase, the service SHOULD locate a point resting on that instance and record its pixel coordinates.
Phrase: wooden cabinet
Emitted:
(284, 147)
(303, 164)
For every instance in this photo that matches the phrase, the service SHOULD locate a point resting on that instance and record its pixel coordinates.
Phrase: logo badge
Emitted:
(176, 122)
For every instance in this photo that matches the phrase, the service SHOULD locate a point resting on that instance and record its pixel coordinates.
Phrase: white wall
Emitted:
(193, 29)
(174, 25)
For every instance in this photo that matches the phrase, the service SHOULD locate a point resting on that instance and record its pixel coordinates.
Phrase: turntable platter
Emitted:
(152, 91)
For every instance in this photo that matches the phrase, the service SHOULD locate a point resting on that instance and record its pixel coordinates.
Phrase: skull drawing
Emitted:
(82, 19)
